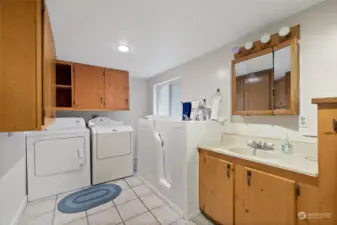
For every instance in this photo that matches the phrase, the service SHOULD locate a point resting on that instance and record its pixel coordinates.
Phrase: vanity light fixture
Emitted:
(123, 48)
(265, 38)
(249, 45)
(284, 31)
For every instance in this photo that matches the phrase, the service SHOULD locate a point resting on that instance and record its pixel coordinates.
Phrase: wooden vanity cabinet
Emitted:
(236, 194)
(217, 189)
(27, 66)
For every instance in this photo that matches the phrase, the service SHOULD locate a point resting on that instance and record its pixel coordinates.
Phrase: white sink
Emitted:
(269, 155)
(261, 154)
(243, 151)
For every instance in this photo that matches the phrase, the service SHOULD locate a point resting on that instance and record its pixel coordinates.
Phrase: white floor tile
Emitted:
(165, 215)
(61, 196)
(141, 190)
(126, 195)
(83, 221)
(201, 220)
(134, 181)
(143, 219)
(131, 209)
(44, 219)
(183, 222)
(151, 201)
(121, 183)
(63, 218)
(39, 207)
(106, 217)
(100, 208)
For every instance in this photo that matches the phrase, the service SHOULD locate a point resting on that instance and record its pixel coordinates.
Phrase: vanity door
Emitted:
(217, 191)
(269, 199)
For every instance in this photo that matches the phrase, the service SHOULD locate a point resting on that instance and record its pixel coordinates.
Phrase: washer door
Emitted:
(55, 156)
(116, 143)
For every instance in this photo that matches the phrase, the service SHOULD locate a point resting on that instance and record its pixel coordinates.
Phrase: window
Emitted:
(167, 99)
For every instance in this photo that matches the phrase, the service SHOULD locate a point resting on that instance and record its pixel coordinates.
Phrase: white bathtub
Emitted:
(168, 161)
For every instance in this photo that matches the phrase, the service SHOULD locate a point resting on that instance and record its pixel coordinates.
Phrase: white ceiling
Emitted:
(163, 34)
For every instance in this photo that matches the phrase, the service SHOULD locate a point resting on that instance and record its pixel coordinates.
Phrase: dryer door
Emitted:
(55, 156)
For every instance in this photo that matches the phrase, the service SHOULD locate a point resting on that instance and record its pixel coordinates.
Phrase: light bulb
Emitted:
(265, 38)
(284, 31)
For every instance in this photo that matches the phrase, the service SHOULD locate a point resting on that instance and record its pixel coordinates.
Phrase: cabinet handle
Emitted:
(249, 177)
(228, 171)
(101, 100)
(334, 125)
(127, 101)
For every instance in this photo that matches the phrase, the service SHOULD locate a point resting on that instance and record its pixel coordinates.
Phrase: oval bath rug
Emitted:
(89, 198)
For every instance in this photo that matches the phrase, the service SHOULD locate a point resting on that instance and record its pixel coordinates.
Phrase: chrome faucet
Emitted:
(259, 146)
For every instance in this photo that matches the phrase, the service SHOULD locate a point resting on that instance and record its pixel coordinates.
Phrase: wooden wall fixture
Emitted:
(81, 87)
(265, 78)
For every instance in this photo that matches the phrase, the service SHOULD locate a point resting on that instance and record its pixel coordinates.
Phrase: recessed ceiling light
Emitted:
(123, 48)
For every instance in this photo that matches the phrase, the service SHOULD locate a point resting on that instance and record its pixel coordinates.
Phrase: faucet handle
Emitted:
(268, 145)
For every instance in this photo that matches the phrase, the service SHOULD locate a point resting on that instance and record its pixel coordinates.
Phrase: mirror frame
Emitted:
(294, 80)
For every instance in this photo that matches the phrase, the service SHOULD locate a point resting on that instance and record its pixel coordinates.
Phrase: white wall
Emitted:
(12, 177)
(318, 78)
(139, 107)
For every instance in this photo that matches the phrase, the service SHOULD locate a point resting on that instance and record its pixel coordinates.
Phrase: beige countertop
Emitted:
(295, 162)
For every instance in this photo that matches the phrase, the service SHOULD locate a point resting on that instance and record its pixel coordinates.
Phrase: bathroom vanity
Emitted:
(236, 187)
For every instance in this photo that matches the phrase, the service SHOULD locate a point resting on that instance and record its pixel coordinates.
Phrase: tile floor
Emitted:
(136, 205)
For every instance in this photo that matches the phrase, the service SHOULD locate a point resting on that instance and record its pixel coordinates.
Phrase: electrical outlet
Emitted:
(303, 122)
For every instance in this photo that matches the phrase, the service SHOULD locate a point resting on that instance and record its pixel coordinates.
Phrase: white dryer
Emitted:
(58, 158)
(112, 151)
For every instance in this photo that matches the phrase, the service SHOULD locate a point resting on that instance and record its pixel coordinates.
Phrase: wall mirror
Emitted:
(282, 74)
(266, 82)
(254, 82)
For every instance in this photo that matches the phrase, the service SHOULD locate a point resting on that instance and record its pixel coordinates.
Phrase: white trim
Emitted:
(167, 82)
(20, 211)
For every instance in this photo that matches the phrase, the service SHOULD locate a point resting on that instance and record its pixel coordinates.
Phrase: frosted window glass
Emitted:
(175, 109)
(163, 100)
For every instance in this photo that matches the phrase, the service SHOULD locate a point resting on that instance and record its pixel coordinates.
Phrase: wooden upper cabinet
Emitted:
(88, 87)
(116, 89)
(23, 95)
(269, 199)
(217, 189)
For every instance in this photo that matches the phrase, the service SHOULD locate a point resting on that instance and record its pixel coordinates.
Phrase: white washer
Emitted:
(58, 158)
(112, 151)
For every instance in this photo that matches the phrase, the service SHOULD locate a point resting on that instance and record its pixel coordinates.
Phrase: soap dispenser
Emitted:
(286, 145)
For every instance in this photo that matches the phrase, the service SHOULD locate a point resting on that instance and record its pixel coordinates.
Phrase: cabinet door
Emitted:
(49, 71)
(202, 181)
(269, 199)
(219, 199)
(89, 86)
(20, 66)
(116, 89)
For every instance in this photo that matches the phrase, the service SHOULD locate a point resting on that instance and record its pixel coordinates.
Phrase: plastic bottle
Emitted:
(286, 145)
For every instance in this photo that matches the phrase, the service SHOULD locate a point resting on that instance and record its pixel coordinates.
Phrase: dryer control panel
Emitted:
(67, 123)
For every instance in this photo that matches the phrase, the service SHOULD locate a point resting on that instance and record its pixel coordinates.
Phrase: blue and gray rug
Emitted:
(89, 198)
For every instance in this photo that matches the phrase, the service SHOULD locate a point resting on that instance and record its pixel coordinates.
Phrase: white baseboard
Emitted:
(20, 211)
